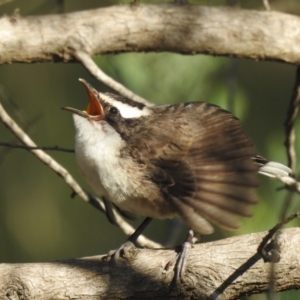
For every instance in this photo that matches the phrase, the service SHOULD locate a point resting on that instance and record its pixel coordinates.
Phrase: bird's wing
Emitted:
(220, 158)
(202, 162)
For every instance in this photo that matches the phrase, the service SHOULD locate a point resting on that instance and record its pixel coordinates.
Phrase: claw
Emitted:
(180, 260)
(121, 252)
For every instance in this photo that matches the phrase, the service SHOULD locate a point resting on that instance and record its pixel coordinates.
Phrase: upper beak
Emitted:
(94, 108)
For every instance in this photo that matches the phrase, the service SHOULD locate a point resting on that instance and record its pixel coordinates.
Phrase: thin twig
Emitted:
(51, 148)
(7, 150)
(263, 247)
(57, 168)
(289, 143)
(291, 117)
(92, 67)
(266, 5)
(286, 204)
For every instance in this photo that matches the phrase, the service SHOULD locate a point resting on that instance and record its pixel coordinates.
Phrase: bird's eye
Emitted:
(113, 110)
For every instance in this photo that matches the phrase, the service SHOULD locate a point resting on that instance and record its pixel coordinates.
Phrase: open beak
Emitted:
(94, 109)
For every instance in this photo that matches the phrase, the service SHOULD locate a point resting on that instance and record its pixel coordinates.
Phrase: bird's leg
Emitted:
(183, 255)
(130, 241)
(111, 215)
(109, 211)
(181, 258)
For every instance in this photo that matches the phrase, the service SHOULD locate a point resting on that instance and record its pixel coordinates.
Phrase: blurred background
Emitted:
(38, 219)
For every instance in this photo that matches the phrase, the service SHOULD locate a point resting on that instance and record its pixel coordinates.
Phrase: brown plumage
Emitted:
(191, 159)
(200, 159)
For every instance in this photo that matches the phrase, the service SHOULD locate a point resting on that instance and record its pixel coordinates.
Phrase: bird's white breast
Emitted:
(97, 150)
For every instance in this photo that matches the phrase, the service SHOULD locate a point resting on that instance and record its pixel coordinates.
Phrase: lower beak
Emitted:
(76, 111)
(94, 109)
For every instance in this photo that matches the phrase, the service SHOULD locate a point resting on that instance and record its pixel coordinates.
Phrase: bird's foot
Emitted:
(125, 251)
(180, 260)
(128, 250)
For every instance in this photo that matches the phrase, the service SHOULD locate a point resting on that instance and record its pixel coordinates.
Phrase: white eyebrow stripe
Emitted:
(127, 111)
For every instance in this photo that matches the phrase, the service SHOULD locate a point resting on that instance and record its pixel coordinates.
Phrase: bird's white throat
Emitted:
(97, 147)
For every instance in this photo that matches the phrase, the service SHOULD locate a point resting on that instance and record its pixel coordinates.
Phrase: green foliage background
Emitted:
(38, 219)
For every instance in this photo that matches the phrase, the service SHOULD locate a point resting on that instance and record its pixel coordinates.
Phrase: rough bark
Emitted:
(225, 269)
(188, 29)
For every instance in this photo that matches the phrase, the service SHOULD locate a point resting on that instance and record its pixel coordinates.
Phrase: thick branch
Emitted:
(225, 269)
(186, 29)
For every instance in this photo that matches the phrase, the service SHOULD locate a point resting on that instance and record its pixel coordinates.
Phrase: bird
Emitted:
(190, 160)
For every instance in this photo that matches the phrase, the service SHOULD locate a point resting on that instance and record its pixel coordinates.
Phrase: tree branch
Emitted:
(92, 67)
(225, 269)
(189, 29)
